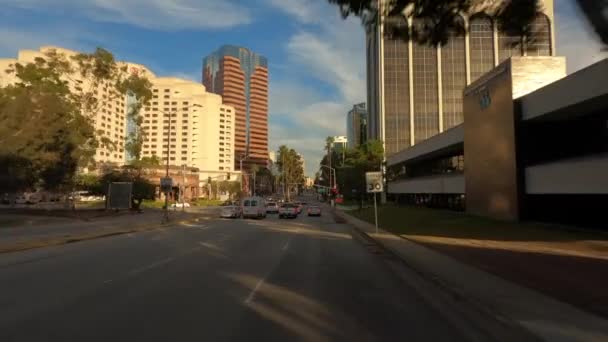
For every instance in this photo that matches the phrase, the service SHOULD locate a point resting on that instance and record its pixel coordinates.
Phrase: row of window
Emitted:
(442, 166)
(453, 75)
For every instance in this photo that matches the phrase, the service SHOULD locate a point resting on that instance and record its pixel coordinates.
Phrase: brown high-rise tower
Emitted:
(241, 78)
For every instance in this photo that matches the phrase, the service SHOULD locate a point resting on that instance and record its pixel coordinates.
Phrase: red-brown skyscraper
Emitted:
(241, 78)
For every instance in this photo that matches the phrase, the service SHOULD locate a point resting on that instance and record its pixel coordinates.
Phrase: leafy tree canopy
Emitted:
(438, 19)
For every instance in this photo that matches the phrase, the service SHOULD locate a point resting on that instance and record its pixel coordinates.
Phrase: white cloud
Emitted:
(304, 11)
(12, 40)
(332, 51)
(575, 38)
(152, 14)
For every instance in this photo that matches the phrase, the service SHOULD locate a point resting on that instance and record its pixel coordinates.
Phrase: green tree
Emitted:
(143, 189)
(351, 176)
(59, 94)
(440, 18)
(291, 169)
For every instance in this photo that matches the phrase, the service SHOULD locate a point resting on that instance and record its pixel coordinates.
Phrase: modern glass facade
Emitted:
(396, 94)
(454, 79)
(426, 97)
(240, 76)
(356, 125)
(415, 91)
(481, 45)
(540, 45)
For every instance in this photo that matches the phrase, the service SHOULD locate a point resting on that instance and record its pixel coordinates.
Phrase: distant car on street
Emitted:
(231, 211)
(254, 207)
(272, 208)
(180, 205)
(314, 211)
(288, 210)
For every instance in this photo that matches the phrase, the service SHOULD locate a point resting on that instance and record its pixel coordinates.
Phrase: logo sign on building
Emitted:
(166, 184)
(484, 98)
(373, 181)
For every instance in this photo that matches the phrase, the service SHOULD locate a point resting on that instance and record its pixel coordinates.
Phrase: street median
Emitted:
(22, 238)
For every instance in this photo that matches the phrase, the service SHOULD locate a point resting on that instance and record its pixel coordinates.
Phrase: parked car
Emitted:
(299, 207)
(314, 211)
(20, 199)
(288, 210)
(253, 207)
(180, 205)
(272, 208)
(231, 211)
(32, 197)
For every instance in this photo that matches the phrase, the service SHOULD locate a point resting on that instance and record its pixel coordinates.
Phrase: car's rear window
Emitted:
(254, 203)
(271, 204)
(246, 203)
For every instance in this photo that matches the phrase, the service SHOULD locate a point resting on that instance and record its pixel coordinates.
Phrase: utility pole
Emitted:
(183, 188)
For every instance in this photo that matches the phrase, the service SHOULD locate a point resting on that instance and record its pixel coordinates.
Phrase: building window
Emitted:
(481, 38)
(454, 79)
(184, 139)
(426, 97)
(397, 99)
(509, 45)
(540, 42)
(184, 158)
(221, 168)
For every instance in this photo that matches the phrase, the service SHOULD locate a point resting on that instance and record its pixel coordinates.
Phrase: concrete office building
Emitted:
(415, 91)
(111, 118)
(356, 125)
(194, 123)
(340, 143)
(240, 76)
(534, 148)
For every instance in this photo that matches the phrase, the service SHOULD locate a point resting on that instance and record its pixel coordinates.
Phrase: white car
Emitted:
(180, 205)
(231, 211)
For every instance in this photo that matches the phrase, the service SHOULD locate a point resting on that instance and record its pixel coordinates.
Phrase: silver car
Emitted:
(231, 211)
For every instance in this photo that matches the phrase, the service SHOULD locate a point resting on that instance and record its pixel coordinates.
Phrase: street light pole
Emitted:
(168, 115)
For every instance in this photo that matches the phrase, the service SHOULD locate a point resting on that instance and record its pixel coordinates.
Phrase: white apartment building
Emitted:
(183, 122)
(110, 119)
(188, 125)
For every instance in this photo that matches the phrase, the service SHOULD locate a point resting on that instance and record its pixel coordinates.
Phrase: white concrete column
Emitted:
(411, 87)
(439, 89)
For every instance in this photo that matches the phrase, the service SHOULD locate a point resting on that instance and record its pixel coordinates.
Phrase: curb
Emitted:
(543, 316)
(453, 292)
(64, 240)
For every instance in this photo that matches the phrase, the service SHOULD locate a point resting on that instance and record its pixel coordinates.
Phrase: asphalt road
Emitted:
(306, 279)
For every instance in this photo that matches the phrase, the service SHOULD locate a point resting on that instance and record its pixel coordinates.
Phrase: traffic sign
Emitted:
(373, 181)
(166, 184)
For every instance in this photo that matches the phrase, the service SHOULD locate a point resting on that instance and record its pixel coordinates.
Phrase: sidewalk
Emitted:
(544, 316)
(29, 232)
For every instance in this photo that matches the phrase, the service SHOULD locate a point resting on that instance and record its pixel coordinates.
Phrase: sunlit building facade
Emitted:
(240, 76)
(414, 91)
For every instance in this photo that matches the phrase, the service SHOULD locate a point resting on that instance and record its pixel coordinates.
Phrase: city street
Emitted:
(305, 279)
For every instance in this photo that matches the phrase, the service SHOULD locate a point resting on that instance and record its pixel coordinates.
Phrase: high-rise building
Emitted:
(110, 119)
(188, 125)
(340, 143)
(240, 76)
(414, 91)
(356, 125)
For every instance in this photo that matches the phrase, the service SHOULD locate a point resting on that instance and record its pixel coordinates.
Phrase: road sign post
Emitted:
(374, 184)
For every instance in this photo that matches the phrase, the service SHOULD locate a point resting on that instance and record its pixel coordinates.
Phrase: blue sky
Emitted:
(316, 59)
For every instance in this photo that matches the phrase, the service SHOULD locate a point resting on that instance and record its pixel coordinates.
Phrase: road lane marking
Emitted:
(255, 289)
(286, 245)
(151, 266)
